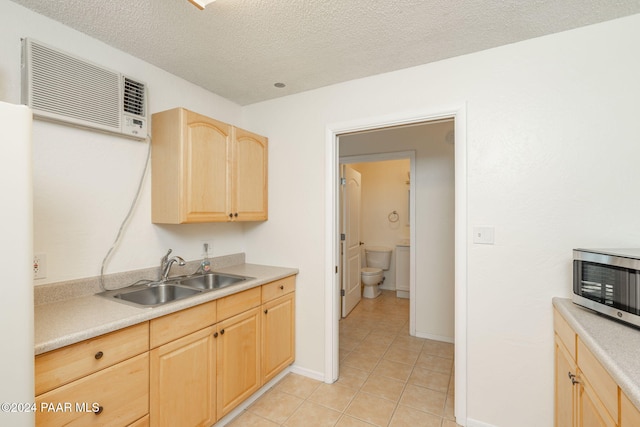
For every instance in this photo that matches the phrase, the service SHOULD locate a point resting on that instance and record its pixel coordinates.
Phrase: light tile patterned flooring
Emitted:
(387, 378)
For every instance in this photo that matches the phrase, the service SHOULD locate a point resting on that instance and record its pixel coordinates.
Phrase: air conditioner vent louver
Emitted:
(133, 97)
(64, 88)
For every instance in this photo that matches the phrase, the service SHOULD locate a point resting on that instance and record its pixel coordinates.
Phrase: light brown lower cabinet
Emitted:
(629, 414)
(585, 394)
(278, 331)
(565, 391)
(100, 381)
(591, 411)
(182, 386)
(188, 368)
(238, 373)
(142, 422)
(119, 391)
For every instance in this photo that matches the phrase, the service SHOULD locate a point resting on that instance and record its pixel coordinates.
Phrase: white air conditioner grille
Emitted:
(64, 85)
(63, 88)
(133, 97)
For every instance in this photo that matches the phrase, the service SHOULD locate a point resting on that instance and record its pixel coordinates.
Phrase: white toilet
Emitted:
(377, 258)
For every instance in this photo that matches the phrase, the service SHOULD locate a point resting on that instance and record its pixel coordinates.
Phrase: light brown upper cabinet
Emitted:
(204, 170)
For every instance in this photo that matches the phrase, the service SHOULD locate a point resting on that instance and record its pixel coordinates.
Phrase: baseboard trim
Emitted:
(475, 423)
(255, 396)
(435, 337)
(296, 369)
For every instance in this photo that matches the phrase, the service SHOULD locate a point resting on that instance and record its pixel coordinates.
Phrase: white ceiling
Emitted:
(240, 48)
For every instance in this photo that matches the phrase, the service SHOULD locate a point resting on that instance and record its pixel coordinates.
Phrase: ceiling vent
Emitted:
(64, 88)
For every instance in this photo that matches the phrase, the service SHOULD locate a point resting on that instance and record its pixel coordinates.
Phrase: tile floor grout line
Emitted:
(373, 333)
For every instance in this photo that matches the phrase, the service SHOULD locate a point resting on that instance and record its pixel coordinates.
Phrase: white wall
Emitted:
(552, 131)
(434, 221)
(84, 181)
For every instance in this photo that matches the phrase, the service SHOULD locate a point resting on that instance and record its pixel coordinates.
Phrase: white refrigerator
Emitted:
(16, 269)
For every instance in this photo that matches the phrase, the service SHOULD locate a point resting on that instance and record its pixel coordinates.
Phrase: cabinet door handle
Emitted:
(99, 355)
(573, 379)
(99, 410)
(266, 311)
(236, 214)
(215, 335)
(230, 215)
(222, 332)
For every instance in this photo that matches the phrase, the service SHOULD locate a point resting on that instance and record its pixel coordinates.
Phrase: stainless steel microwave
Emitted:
(608, 281)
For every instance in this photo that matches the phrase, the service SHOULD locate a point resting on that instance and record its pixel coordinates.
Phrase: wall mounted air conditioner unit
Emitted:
(64, 88)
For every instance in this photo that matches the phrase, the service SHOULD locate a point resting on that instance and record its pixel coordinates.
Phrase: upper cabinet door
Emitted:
(206, 169)
(250, 189)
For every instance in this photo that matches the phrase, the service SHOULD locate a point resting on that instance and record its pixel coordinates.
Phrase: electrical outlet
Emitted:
(39, 266)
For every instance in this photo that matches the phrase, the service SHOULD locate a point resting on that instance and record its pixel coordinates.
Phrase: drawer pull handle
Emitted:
(99, 410)
(281, 287)
(99, 355)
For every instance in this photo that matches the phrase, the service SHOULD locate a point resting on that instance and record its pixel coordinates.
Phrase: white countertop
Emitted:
(62, 323)
(615, 345)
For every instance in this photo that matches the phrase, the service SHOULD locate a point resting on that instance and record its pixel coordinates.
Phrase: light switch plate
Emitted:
(484, 235)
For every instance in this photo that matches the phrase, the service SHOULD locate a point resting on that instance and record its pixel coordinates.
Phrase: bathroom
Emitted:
(408, 193)
(384, 220)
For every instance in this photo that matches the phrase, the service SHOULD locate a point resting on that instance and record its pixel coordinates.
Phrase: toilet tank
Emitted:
(378, 256)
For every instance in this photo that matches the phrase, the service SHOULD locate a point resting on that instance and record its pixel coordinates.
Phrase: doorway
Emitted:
(388, 206)
(332, 226)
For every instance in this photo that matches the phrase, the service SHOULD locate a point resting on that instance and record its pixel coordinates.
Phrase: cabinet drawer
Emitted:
(629, 414)
(599, 378)
(66, 364)
(278, 288)
(566, 334)
(122, 391)
(179, 324)
(237, 303)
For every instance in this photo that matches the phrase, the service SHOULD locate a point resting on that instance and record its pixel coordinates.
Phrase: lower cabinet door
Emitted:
(565, 395)
(629, 414)
(238, 362)
(115, 396)
(278, 350)
(591, 411)
(183, 381)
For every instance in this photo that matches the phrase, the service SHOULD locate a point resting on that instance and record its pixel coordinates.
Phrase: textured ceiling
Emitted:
(240, 48)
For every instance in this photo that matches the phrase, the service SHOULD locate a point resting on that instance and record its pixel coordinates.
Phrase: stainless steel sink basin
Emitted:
(152, 296)
(211, 281)
(174, 289)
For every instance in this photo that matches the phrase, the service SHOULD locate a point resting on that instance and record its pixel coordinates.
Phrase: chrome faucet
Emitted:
(166, 263)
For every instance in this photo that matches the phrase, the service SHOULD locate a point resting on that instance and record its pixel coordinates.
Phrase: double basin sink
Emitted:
(173, 289)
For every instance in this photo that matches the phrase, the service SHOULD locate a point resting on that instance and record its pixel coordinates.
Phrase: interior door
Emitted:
(351, 189)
